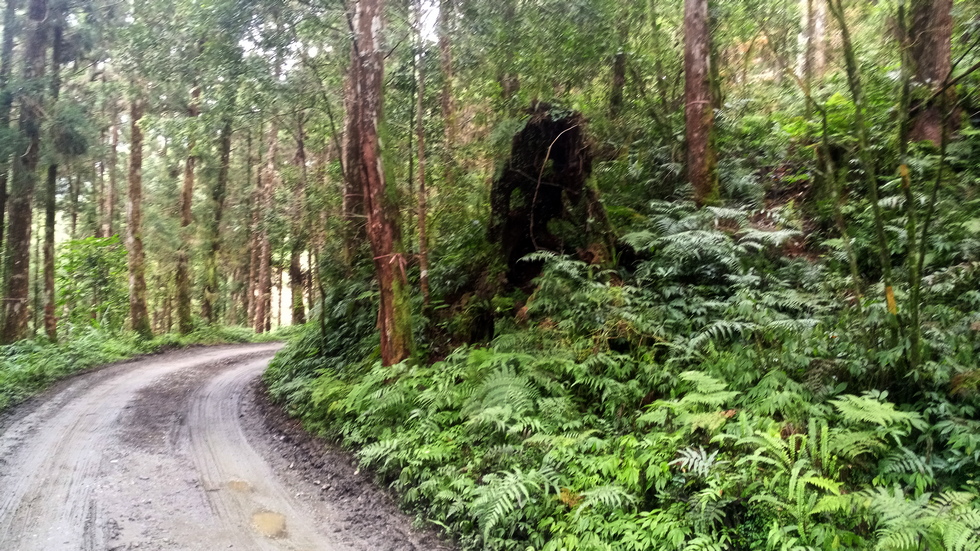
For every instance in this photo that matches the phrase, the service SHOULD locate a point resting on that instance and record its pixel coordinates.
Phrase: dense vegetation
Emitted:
(30, 366)
(579, 274)
(737, 375)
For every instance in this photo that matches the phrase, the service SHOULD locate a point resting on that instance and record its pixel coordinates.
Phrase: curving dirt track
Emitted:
(172, 452)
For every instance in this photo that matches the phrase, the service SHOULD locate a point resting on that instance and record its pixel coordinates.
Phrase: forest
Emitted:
(563, 274)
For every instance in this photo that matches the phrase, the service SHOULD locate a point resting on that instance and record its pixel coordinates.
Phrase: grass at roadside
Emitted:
(28, 367)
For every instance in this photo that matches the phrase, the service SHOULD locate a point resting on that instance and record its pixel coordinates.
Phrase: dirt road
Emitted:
(171, 452)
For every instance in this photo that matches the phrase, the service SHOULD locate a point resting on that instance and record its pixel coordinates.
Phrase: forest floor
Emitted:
(182, 451)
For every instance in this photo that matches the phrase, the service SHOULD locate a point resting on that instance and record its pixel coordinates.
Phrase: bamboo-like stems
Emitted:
(864, 155)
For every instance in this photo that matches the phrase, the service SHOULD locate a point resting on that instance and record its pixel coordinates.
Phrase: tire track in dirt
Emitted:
(165, 453)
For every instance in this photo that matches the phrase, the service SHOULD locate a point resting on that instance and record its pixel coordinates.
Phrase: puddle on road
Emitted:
(269, 524)
(239, 486)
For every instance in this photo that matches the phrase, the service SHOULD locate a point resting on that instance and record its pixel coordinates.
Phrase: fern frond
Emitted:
(722, 330)
(869, 408)
(761, 238)
(696, 461)
(502, 495)
(610, 496)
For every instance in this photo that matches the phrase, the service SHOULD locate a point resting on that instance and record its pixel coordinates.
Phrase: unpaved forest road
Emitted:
(168, 453)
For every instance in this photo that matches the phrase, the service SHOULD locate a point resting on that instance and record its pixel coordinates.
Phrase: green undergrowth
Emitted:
(722, 395)
(28, 367)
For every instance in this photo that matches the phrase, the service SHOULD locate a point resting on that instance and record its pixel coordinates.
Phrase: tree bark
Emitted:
(352, 202)
(819, 37)
(698, 98)
(134, 225)
(50, 203)
(23, 182)
(253, 255)
(6, 96)
(74, 189)
(383, 229)
(218, 192)
(618, 84)
(931, 38)
(183, 277)
(448, 104)
(509, 80)
(812, 41)
(109, 209)
(299, 233)
(420, 139)
(263, 298)
(99, 192)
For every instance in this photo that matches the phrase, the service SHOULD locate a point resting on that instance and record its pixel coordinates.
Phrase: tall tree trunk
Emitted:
(74, 190)
(865, 156)
(23, 182)
(112, 185)
(6, 96)
(263, 296)
(218, 192)
(619, 67)
(812, 42)
(698, 98)
(819, 38)
(384, 233)
(297, 281)
(281, 302)
(299, 233)
(254, 250)
(448, 104)
(99, 191)
(509, 80)
(134, 225)
(168, 308)
(183, 276)
(931, 39)
(618, 84)
(50, 202)
(423, 210)
(252, 261)
(352, 202)
(36, 308)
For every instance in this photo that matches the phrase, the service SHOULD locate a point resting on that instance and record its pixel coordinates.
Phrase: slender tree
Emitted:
(138, 316)
(618, 83)
(6, 95)
(263, 248)
(110, 166)
(50, 190)
(448, 103)
(699, 102)
(383, 229)
(255, 221)
(423, 211)
(24, 179)
(183, 274)
(298, 232)
(219, 191)
(352, 203)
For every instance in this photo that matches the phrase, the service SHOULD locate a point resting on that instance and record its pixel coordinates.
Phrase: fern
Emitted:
(610, 496)
(871, 409)
(722, 330)
(950, 521)
(505, 493)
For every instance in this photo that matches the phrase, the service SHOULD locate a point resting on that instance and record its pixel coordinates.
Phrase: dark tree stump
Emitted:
(541, 199)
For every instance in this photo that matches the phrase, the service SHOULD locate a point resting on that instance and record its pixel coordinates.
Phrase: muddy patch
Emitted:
(270, 524)
(239, 486)
(153, 421)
